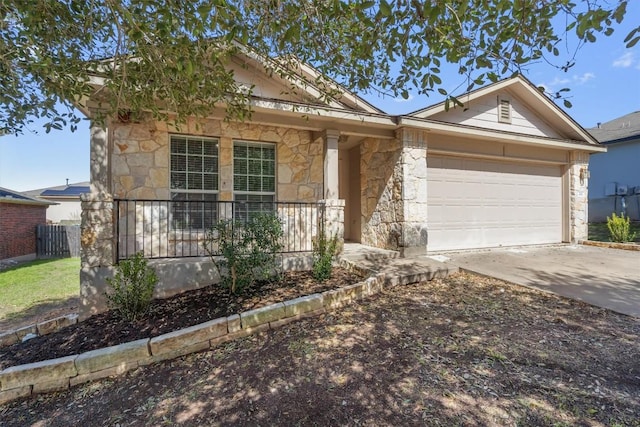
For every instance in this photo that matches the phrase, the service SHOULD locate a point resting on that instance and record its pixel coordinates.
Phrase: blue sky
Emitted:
(604, 83)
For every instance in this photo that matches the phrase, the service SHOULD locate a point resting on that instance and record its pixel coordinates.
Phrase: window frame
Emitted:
(207, 217)
(246, 204)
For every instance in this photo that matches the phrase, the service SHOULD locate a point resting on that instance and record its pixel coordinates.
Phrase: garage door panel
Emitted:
(475, 203)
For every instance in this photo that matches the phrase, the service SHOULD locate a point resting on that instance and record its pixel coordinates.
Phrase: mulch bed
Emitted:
(167, 315)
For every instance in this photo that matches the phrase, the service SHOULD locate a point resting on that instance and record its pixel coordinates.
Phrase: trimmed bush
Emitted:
(244, 253)
(324, 252)
(132, 287)
(620, 229)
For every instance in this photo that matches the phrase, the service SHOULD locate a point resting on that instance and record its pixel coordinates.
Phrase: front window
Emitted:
(194, 182)
(254, 178)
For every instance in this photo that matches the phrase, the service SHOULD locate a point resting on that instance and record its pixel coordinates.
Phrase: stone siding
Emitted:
(381, 193)
(140, 158)
(578, 196)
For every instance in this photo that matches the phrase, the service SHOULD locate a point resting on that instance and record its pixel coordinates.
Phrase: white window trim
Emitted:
(194, 191)
(173, 191)
(275, 174)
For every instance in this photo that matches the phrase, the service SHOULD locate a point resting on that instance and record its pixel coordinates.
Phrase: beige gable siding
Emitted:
(263, 86)
(483, 112)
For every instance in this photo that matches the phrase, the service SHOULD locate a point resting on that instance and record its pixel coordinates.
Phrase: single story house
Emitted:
(508, 168)
(67, 209)
(614, 185)
(19, 217)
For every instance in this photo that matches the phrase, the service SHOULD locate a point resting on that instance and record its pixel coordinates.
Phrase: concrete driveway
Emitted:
(608, 278)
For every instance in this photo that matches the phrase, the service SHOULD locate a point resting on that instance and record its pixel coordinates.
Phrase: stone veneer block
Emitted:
(303, 305)
(68, 320)
(105, 373)
(233, 323)
(14, 393)
(8, 338)
(333, 298)
(172, 354)
(103, 358)
(47, 326)
(287, 320)
(355, 291)
(240, 334)
(189, 336)
(38, 372)
(31, 329)
(51, 386)
(262, 315)
(373, 285)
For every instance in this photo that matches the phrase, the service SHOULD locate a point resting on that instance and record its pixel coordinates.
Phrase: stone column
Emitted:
(578, 201)
(413, 166)
(97, 231)
(332, 217)
(331, 189)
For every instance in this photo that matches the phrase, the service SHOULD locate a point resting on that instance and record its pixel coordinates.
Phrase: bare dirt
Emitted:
(465, 351)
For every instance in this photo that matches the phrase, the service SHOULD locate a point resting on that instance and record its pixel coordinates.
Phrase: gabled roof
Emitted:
(292, 77)
(529, 93)
(10, 196)
(62, 191)
(622, 129)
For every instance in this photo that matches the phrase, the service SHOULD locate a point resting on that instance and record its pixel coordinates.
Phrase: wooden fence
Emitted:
(58, 241)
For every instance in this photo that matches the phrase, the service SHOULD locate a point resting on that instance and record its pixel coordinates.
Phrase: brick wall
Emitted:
(18, 228)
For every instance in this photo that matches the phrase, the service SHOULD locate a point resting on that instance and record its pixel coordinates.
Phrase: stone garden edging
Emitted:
(65, 372)
(38, 329)
(612, 245)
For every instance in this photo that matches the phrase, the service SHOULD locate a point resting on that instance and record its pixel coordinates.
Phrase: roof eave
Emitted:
(496, 135)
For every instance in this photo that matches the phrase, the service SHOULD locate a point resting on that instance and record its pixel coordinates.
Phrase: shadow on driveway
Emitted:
(608, 278)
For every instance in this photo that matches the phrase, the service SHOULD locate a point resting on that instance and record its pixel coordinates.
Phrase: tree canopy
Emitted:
(176, 51)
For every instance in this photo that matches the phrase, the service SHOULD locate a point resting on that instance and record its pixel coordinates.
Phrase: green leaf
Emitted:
(567, 103)
(632, 43)
(385, 8)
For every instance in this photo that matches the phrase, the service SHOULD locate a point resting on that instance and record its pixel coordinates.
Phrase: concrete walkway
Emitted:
(604, 277)
(396, 270)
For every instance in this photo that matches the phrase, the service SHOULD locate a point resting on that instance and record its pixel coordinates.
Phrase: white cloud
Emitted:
(583, 78)
(625, 61)
(559, 81)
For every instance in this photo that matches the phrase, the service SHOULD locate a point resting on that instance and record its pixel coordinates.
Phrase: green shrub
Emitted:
(132, 287)
(244, 253)
(620, 229)
(324, 252)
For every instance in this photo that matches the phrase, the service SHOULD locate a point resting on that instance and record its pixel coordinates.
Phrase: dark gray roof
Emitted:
(621, 129)
(71, 190)
(7, 195)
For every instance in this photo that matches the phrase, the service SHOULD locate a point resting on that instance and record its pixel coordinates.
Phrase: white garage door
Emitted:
(476, 203)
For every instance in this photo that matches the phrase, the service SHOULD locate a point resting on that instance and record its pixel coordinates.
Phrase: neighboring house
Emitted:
(67, 198)
(19, 216)
(614, 184)
(507, 169)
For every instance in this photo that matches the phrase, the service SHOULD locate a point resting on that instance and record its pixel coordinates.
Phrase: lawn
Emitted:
(33, 288)
(599, 232)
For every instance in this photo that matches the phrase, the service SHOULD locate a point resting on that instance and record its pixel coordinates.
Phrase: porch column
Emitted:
(331, 190)
(578, 201)
(97, 234)
(413, 165)
(332, 217)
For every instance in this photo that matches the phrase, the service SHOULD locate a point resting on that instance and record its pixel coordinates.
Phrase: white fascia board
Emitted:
(480, 133)
(382, 120)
